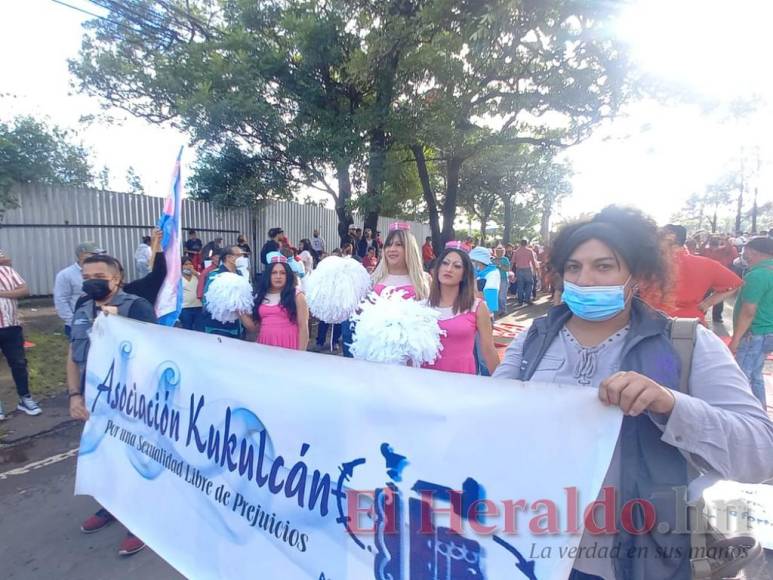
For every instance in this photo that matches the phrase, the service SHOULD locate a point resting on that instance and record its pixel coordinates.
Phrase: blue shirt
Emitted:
(490, 278)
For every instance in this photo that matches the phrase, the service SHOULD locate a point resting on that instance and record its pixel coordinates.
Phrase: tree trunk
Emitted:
(429, 197)
(547, 211)
(385, 89)
(507, 234)
(343, 205)
(714, 222)
(453, 166)
(754, 212)
(738, 212)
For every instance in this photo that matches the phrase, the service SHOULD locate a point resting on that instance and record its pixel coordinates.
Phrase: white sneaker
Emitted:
(27, 405)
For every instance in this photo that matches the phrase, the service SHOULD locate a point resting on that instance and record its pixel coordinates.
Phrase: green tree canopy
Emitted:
(31, 151)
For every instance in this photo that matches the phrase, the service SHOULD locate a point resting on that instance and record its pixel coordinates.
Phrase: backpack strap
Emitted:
(684, 332)
(683, 337)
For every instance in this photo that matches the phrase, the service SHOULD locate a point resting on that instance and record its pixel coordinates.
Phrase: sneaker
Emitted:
(131, 545)
(98, 521)
(2, 414)
(29, 406)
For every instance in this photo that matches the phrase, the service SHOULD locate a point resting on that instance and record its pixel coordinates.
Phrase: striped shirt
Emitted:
(9, 312)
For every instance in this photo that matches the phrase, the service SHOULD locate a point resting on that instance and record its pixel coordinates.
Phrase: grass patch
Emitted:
(47, 362)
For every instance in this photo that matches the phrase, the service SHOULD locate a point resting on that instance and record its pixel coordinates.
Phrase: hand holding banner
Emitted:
(267, 462)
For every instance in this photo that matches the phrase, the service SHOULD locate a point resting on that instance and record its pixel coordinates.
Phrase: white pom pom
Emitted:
(335, 289)
(394, 330)
(228, 296)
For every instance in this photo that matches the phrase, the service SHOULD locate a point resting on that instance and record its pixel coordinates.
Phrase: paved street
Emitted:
(41, 537)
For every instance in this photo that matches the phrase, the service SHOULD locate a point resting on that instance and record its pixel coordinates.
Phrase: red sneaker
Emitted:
(131, 545)
(98, 521)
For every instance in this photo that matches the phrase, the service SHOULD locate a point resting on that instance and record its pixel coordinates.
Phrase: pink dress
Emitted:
(276, 329)
(457, 355)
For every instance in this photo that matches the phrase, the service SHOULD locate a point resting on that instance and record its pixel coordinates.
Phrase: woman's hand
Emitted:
(78, 408)
(635, 393)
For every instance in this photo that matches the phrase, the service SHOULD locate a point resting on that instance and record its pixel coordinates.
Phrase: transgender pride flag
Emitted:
(170, 299)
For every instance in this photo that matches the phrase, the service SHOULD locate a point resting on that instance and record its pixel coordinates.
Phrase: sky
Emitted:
(653, 155)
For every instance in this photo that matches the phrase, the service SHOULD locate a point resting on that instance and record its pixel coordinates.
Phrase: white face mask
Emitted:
(242, 263)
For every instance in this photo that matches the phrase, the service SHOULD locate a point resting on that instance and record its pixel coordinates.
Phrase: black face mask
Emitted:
(96, 289)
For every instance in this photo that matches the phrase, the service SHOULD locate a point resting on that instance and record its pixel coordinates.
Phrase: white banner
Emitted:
(237, 460)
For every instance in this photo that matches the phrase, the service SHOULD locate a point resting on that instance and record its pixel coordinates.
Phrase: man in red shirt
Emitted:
(427, 253)
(695, 278)
(525, 267)
(724, 252)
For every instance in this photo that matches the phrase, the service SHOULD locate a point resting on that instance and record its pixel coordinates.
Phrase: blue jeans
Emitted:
(189, 318)
(751, 356)
(524, 280)
(503, 296)
(322, 333)
(347, 334)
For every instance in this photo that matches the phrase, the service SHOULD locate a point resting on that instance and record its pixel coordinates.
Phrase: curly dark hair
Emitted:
(632, 236)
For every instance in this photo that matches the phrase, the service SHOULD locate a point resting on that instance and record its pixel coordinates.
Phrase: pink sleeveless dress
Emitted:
(457, 355)
(276, 329)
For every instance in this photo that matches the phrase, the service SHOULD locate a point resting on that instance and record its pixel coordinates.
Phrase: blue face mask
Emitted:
(595, 303)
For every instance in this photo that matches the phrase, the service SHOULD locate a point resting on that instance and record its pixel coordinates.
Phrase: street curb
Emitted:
(25, 438)
(19, 428)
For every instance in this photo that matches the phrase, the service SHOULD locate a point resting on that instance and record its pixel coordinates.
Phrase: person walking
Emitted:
(13, 287)
(193, 247)
(273, 244)
(462, 315)
(68, 283)
(102, 280)
(212, 248)
(190, 314)
(722, 251)
(695, 278)
(214, 265)
(753, 315)
(427, 253)
(281, 308)
(243, 320)
(525, 267)
(502, 262)
(142, 257)
(318, 245)
(241, 241)
(606, 339)
(365, 243)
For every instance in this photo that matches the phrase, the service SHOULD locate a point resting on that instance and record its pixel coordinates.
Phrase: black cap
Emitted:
(275, 232)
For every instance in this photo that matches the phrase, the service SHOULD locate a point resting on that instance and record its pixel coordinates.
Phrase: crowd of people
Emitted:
(617, 283)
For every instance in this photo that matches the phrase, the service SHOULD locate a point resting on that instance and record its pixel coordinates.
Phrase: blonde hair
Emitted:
(412, 261)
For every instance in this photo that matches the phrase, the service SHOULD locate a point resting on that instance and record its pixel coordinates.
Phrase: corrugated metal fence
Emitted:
(42, 233)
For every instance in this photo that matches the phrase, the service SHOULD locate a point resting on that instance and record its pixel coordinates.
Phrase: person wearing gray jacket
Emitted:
(606, 338)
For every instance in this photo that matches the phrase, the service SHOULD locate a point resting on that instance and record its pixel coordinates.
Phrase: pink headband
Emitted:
(399, 226)
(279, 260)
(455, 245)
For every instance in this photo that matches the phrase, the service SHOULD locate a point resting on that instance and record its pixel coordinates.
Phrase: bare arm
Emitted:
(77, 404)
(248, 322)
(742, 324)
(302, 313)
(486, 331)
(716, 298)
(18, 292)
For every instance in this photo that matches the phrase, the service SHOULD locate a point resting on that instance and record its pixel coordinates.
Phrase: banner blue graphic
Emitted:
(237, 460)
